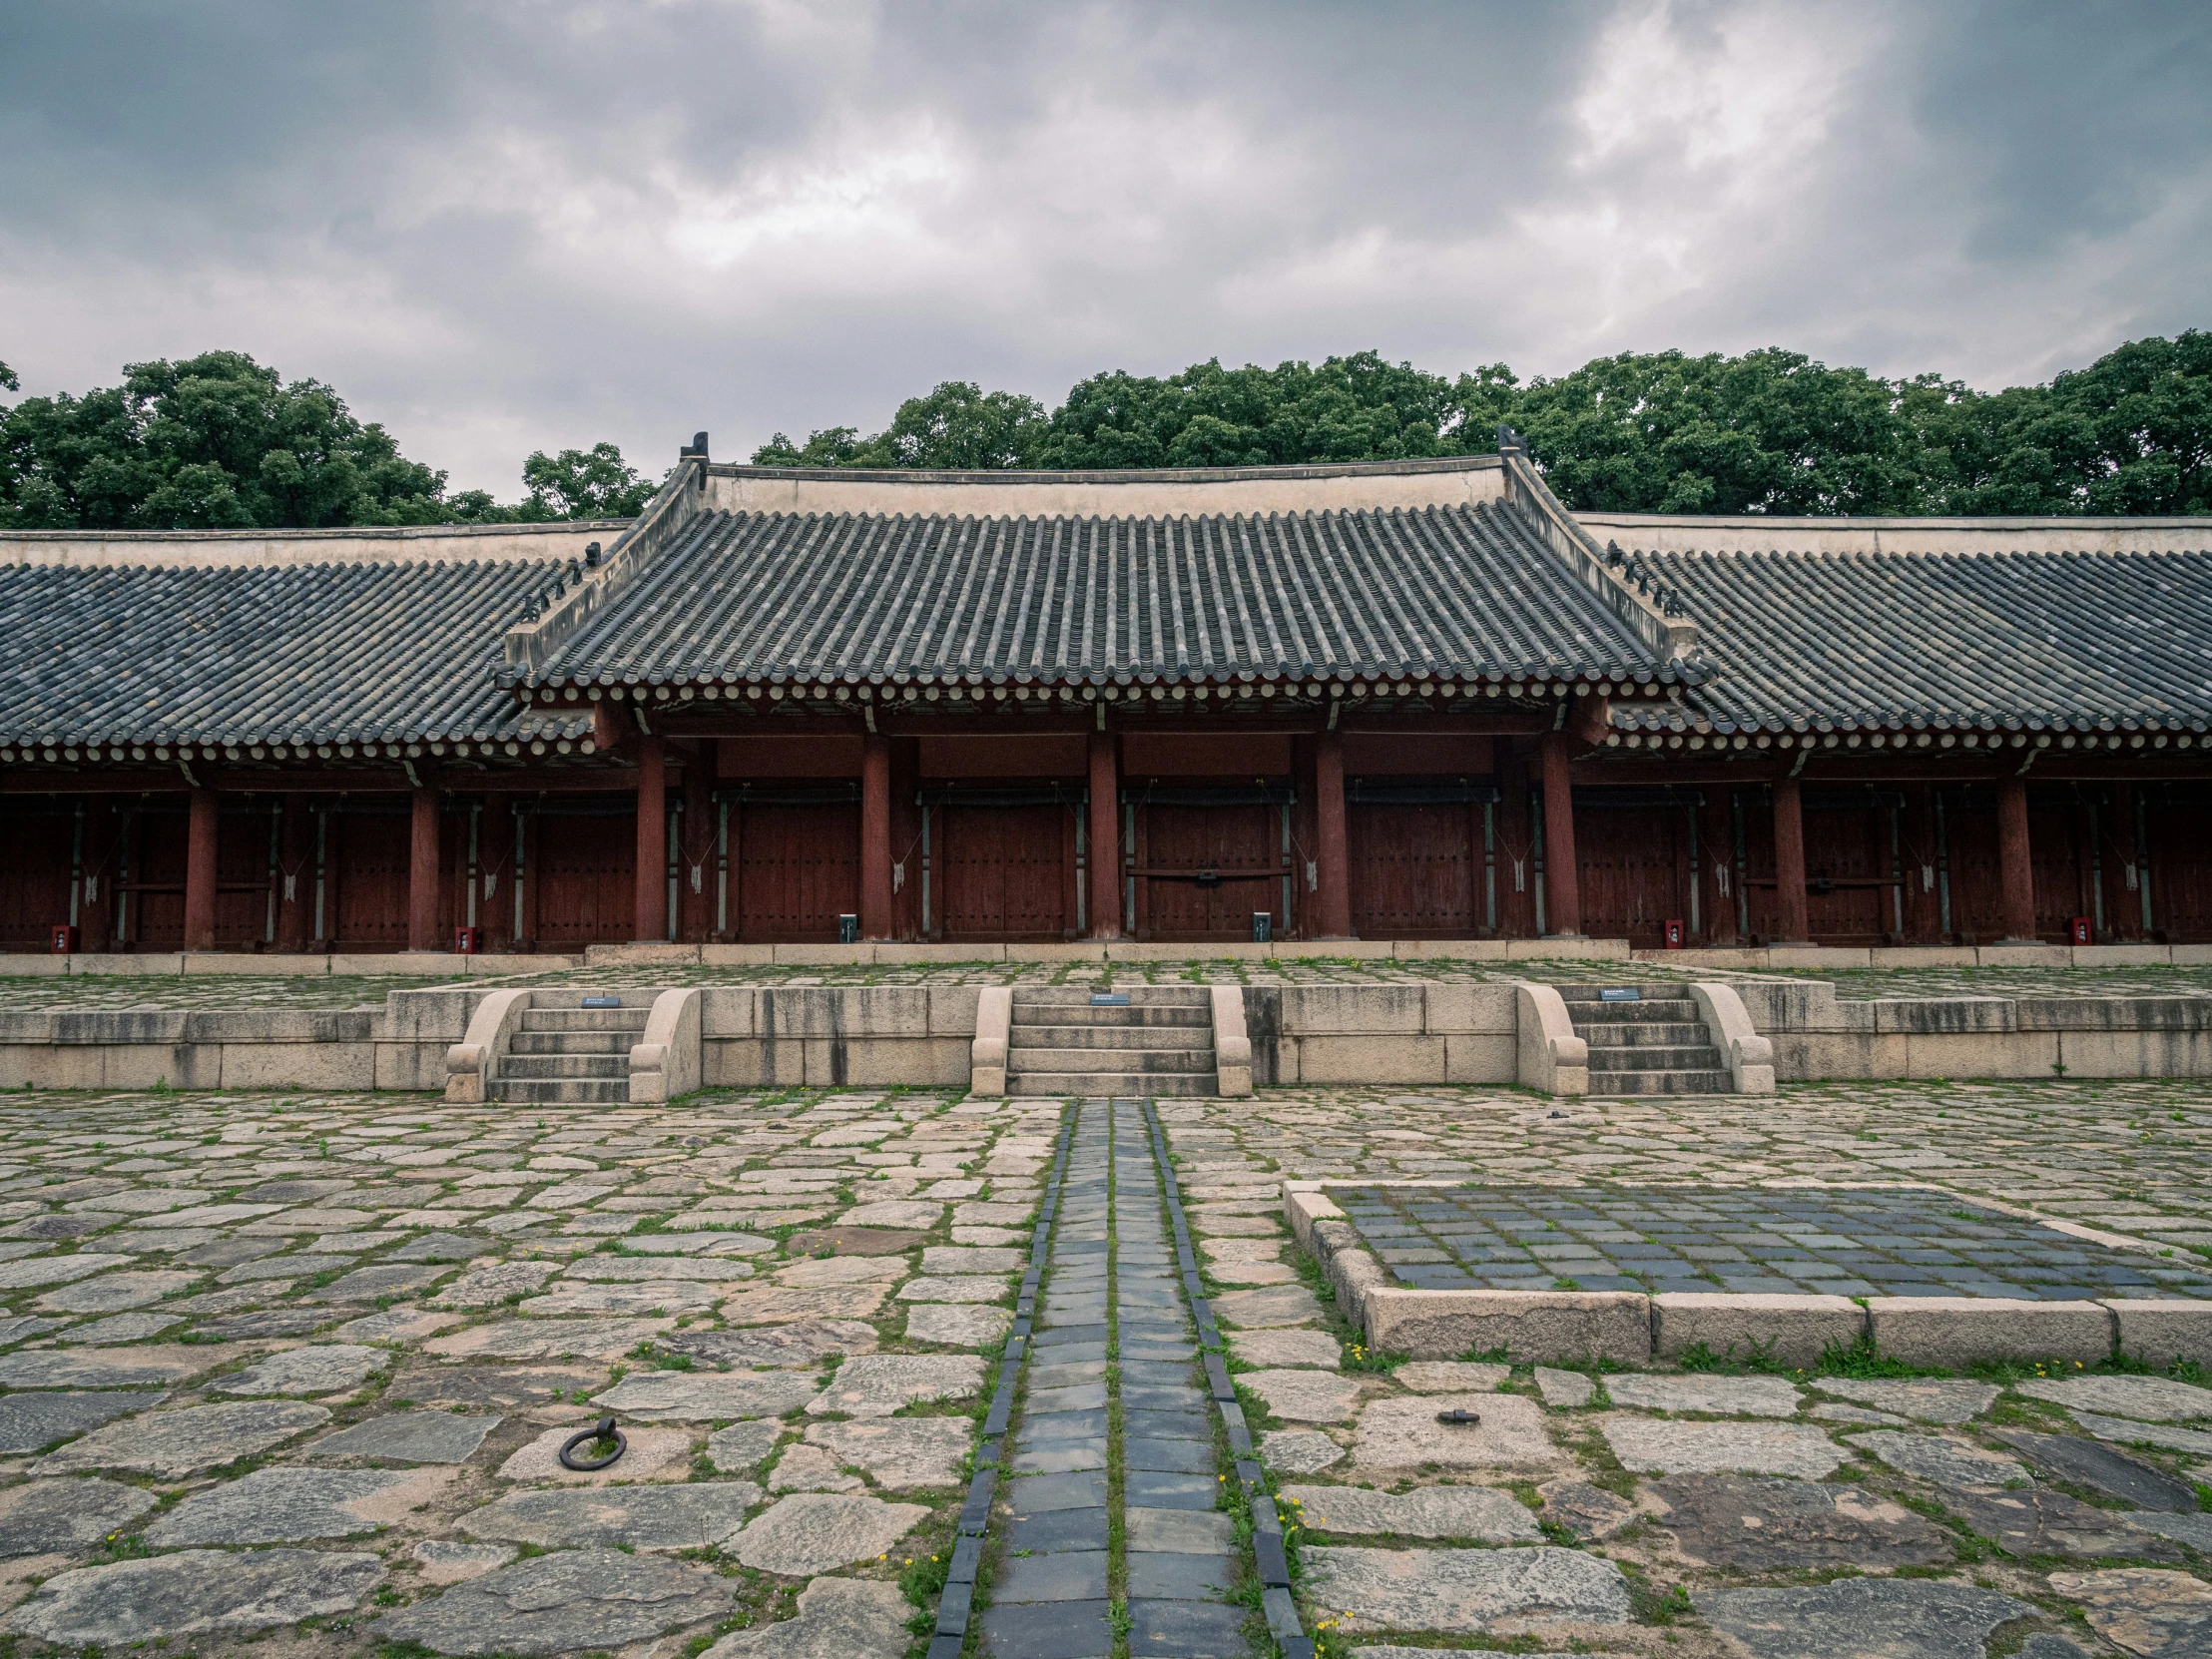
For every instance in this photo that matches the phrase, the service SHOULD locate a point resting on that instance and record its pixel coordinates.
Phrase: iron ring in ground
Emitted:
(602, 1429)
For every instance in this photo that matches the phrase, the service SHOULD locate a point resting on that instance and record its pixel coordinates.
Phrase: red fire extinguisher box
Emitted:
(2079, 930)
(1674, 936)
(64, 939)
(468, 942)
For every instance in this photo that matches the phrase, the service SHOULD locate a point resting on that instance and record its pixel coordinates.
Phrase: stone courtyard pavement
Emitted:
(294, 1370)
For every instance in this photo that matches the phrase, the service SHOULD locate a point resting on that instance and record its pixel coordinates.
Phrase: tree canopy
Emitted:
(218, 441)
(1770, 431)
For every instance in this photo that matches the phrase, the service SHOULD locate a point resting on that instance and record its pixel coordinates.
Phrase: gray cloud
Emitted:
(500, 227)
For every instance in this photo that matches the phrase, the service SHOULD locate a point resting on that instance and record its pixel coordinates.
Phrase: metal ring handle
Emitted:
(604, 1429)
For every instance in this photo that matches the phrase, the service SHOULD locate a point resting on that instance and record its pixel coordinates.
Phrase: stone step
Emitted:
(1673, 1011)
(1100, 1084)
(1109, 1036)
(585, 1019)
(1140, 996)
(1152, 1061)
(1083, 1013)
(1663, 1033)
(1654, 1057)
(572, 1042)
(1660, 1082)
(1663, 991)
(561, 1091)
(527, 1066)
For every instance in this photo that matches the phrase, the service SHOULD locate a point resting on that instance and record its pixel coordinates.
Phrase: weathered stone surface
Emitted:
(103, 1368)
(1271, 1307)
(804, 1344)
(1305, 1396)
(196, 1593)
(178, 1443)
(546, 1340)
(1589, 1512)
(122, 1327)
(1287, 1348)
(2037, 1522)
(743, 1445)
(652, 1454)
(586, 1598)
(437, 1247)
(292, 1505)
(367, 1284)
(1564, 1389)
(2134, 1482)
(494, 1388)
(1478, 1512)
(969, 1288)
(568, 1299)
(1450, 1377)
(337, 1367)
(409, 1437)
(1929, 1400)
(898, 1452)
(1945, 1461)
(855, 1241)
(30, 1422)
(1405, 1434)
(1766, 1526)
(1668, 1446)
(905, 1214)
(445, 1563)
(827, 1272)
(1891, 1618)
(877, 1385)
(2152, 1399)
(781, 1305)
(808, 1468)
(817, 1531)
(1750, 1397)
(1464, 1592)
(488, 1287)
(113, 1292)
(56, 1270)
(838, 1618)
(2194, 1530)
(956, 1324)
(2195, 1442)
(697, 1397)
(689, 1517)
(2157, 1615)
(42, 1518)
(1834, 1410)
(1298, 1450)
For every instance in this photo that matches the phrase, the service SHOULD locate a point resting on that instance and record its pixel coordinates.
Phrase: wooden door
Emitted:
(2061, 861)
(1634, 870)
(586, 875)
(798, 870)
(2180, 845)
(367, 859)
(1241, 844)
(1005, 873)
(1976, 878)
(1415, 871)
(35, 876)
(241, 912)
(157, 845)
(1848, 874)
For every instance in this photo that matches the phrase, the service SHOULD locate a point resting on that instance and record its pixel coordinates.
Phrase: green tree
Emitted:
(580, 484)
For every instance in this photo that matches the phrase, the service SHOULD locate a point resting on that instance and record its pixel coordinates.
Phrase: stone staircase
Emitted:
(571, 1055)
(1161, 1042)
(1657, 1044)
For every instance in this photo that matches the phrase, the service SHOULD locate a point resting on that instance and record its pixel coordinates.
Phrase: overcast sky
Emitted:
(501, 227)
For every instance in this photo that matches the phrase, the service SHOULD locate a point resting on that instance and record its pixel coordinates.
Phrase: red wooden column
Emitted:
(1104, 854)
(2123, 899)
(877, 920)
(695, 910)
(495, 863)
(1332, 897)
(1793, 921)
(652, 891)
(200, 870)
(422, 873)
(295, 875)
(1924, 908)
(2014, 863)
(1563, 876)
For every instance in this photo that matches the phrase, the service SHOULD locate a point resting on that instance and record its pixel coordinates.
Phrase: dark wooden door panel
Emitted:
(1004, 872)
(587, 877)
(1195, 839)
(2180, 872)
(1846, 846)
(1633, 870)
(2060, 863)
(798, 870)
(34, 878)
(1415, 871)
(1976, 880)
(366, 862)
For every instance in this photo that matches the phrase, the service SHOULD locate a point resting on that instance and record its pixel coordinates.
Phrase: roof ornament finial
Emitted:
(1613, 554)
(1510, 442)
(591, 555)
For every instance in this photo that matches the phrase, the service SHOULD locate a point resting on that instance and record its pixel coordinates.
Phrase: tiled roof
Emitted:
(323, 653)
(1459, 591)
(2031, 641)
